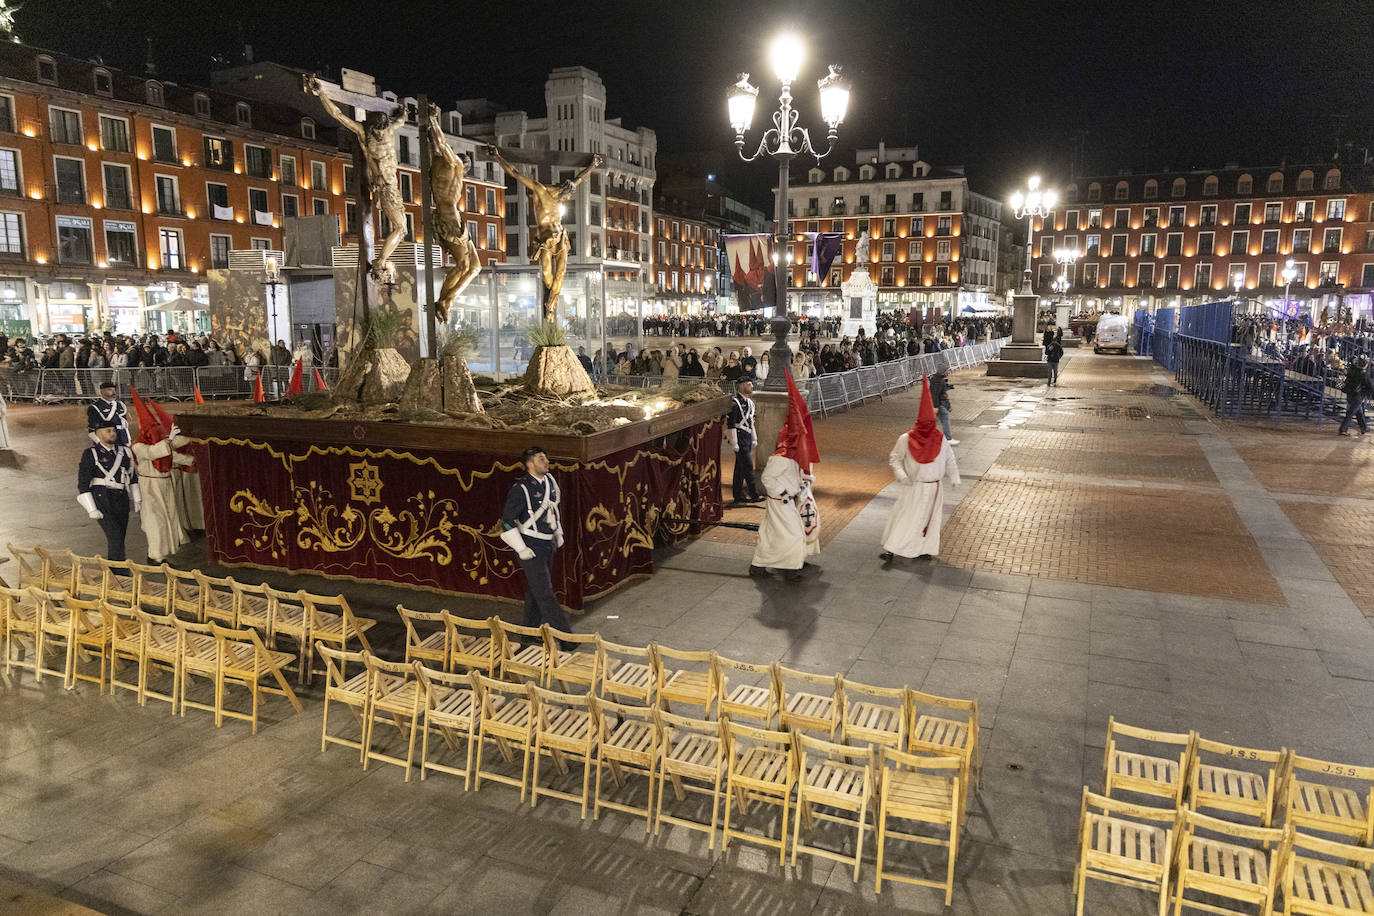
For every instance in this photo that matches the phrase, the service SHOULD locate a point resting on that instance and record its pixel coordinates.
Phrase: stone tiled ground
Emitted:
(1343, 536)
(129, 810)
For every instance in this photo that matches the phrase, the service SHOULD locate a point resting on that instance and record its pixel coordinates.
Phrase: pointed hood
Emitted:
(924, 439)
(797, 439)
(151, 429)
(297, 385)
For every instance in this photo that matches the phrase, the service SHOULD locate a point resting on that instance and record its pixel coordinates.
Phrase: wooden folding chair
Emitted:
(331, 621)
(245, 660)
(29, 568)
(152, 588)
(761, 765)
(428, 642)
(810, 702)
(57, 569)
(184, 586)
(685, 677)
(629, 743)
(1328, 797)
(474, 645)
(876, 715)
(162, 648)
(1228, 860)
(833, 777)
(198, 657)
(574, 666)
(112, 580)
(1143, 773)
(57, 624)
(218, 599)
(524, 651)
(392, 691)
(449, 707)
(23, 621)
(627, 672)
(126, 645)
(351, 691)
(565, 726)
(693, 759)
(946, 726)
(926, 790)
(90, 635)
(745, 697)
(506, 716)
(287, 617)
(1122, 843)
(252, 607)
(1325, 878)
(1218, 779)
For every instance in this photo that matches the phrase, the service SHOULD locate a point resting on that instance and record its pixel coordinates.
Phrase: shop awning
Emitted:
(177, 304)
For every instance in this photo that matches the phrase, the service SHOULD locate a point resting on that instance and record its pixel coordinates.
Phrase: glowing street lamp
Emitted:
(1028, 205)
(1290, 273)
(783, 141)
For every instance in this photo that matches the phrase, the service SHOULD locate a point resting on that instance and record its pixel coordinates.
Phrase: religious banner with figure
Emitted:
(750, 270)
(431, 519)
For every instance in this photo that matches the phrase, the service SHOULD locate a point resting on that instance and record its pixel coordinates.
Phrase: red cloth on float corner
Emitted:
(200, 399)
(297, 385)
(924, 439)
(797, 439)
(150, 431)
(258, 396)
(319, 382)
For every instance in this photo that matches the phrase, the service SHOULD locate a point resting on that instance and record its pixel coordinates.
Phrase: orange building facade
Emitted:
(1173, 238)
(685, 260)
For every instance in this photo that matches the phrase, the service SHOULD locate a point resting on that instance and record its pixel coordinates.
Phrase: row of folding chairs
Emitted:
(1201, 862)
(655, 675)
(1183, 767)
(307, 620)
(462, 716)
(96, 639)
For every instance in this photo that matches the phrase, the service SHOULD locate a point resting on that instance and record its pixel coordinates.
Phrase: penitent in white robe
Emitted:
(160, 520)
(783, 542)
(913, 528)
(187, 482)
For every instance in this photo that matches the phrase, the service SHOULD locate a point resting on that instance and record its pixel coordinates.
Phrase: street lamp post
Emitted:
(1028, 206)
(272, 280)
(783, 141)
(1065, 258)
(1290, 272)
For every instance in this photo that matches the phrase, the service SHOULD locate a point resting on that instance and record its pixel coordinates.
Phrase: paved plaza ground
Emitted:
(1113, 551)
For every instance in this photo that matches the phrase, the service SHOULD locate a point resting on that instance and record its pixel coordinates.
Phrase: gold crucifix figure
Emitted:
(549, 247)
(446, 172)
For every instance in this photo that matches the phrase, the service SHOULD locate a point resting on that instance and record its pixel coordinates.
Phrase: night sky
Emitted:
(1003, 88)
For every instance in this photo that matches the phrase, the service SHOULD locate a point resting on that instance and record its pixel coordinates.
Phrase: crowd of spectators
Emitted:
(120, 351)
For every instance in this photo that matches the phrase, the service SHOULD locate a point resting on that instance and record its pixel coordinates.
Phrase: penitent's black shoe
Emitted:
(794, 575)
(885, 556)
(758, 572)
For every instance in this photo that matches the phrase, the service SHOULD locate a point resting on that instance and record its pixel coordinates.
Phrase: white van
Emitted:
(1113, 333)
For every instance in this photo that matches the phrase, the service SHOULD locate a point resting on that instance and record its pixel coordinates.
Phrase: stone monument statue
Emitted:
(861, 259)
(549, 247)
(446, 173)
(377, 136)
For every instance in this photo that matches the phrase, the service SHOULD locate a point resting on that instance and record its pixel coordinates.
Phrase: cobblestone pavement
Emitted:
(130, 810)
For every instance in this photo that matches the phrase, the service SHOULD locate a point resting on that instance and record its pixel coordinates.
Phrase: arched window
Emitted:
(1245, 184)
(1210, 186)
(1333, 180)
(1180, 188)
(202, 102)
(1151, 189)
(1094, 191)
(308, 128)
(101, 82)
(1275, 185)
(243, 114)
(1123, 190)
(153, 92)
(1305, 180)
(1071, 192)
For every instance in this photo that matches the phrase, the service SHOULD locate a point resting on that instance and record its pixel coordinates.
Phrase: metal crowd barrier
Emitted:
(1232, 382)
(172, 383)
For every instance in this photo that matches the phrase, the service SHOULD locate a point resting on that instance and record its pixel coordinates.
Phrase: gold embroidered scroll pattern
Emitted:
(263, 525)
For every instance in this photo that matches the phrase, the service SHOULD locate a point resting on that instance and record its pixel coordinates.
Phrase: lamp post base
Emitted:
(1023, 357)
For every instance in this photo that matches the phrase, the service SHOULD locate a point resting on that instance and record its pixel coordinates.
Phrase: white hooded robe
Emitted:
(783, 541)
(160, 519)
(913, 528)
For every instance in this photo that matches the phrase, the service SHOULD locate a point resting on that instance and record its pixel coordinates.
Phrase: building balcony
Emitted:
(863, 211)
(813, 211)
(889, 208)
(837, 210)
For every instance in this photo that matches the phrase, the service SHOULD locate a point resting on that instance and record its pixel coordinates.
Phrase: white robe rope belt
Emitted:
(931, 516)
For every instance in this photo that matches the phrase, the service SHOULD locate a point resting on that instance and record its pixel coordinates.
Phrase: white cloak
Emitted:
(187, 481)
(913, 528)
(782, 534)
(161, 523)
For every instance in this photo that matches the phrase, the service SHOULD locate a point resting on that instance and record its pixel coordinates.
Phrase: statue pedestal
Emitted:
(860, 303)
(1023, 357)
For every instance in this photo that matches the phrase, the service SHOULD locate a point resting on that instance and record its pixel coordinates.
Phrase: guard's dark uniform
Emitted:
(100, 411)
(532, 509)
(109, 477)
(743, 486)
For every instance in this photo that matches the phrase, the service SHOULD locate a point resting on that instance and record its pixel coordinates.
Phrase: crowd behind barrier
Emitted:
(176, 383)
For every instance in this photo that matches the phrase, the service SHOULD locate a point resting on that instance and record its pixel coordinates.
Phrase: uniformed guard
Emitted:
(107, 486)
(739, 427)
(108, 407)
(532, 528)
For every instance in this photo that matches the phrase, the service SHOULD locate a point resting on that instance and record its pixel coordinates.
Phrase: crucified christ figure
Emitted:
(446, 184)
(549, 247)
(377, 135)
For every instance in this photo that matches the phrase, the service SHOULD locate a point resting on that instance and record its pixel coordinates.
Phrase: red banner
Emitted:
(431, 519)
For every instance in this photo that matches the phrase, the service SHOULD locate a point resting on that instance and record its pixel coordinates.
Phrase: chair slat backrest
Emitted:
(217, 599)
(113, 579)
(253, 606)
(576, 666)
(474, 644)
(876, 714)
(627, 671)
(57, 569)
(809, 701)
(152, 589)
(184, 586)
(29, 566)
(419, 642)
(533, 665)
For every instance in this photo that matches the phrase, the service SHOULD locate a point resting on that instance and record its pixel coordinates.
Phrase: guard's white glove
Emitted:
(175, 432)
(734, 446)
(136, 496)
(87, 502)
(558, 538)
(525, 553)
(516, 542)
